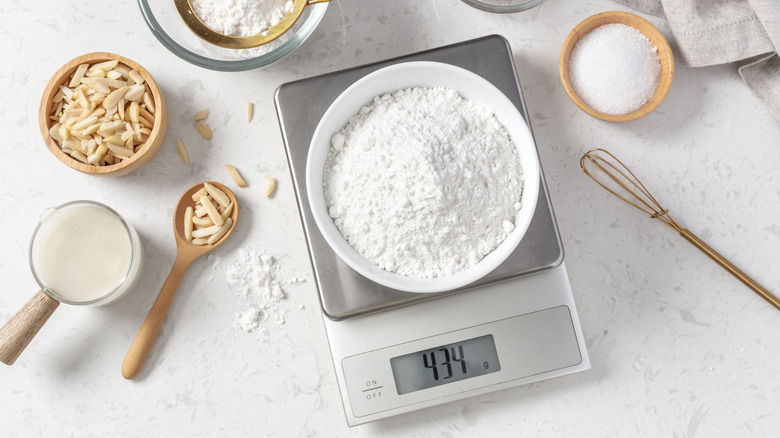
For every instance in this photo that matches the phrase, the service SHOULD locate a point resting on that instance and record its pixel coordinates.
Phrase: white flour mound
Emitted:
(256, 279)
(241, 17)
(423, 182)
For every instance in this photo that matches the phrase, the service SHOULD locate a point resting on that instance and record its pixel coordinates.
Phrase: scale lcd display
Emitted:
(445, 364)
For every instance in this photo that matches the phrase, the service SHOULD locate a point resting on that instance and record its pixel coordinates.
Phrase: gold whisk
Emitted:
(637, 195)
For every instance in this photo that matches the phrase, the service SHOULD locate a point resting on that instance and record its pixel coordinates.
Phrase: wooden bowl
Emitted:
(139, 158)
(648, 30)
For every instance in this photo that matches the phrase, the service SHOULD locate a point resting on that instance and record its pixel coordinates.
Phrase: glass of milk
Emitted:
(84, 253)
(81, 253)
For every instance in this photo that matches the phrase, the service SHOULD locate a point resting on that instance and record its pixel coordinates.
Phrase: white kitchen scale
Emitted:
(396, 352)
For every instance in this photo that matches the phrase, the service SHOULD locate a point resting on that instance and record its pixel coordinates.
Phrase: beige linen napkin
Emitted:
(710, 32)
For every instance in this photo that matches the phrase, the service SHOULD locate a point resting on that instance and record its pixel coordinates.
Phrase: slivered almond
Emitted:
(202, 221)
(95, 97)
(123, 70)
(79, 156)
(188, 223)
(77, 75)
(105, 65)
(147, 98)
(68, 92)
(133, 111)
(218, 195)
(149, 117)
(98, 84)
(136, 77)
(91, 130)
(235, 175)
(113, 74)
(250, 111)
(228, 210)
(139, 136)
(211, 211)
(96, 156)
(145, 123)
(200, 193)
(120, 151)
(84, 123)
(185, 156)
(81, 98)
(200, 115)
(269, 186)
(95, 74)
(54, 132)
(71, 144)
(115, 83)
(221, 232)
(204, 129)
(109, 128)
(113, 98)
(135, 93)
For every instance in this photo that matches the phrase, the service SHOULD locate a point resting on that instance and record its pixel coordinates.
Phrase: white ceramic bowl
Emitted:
(388, 80)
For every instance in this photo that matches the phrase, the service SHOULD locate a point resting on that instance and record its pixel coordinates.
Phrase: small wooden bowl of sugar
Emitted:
(616, 66)
(103, 114)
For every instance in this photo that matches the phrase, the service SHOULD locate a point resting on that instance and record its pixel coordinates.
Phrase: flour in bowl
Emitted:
(423, 182)
(241, 18)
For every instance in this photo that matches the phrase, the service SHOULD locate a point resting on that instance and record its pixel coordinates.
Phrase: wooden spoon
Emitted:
(186, 253)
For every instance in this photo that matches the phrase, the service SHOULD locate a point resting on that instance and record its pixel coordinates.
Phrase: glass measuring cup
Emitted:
(81, 253)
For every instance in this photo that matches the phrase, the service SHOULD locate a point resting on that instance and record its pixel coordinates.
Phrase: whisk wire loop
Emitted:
(636, 194)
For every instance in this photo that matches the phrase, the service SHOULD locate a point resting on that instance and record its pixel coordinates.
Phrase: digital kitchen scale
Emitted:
(397, 352)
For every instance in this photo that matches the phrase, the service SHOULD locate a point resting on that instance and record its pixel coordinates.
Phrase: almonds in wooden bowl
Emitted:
(103, 114)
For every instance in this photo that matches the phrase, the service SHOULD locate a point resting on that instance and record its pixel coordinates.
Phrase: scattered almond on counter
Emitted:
(250, 111)
(269, 186)
(204, 129)
(185, 156)
(200, 115)
(210, 219)
(235, 175)
(103, 114)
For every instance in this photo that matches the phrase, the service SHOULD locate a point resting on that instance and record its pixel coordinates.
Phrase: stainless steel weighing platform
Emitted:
(343, 292)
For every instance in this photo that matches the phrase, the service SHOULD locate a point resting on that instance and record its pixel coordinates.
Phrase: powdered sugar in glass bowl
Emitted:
(168, 27)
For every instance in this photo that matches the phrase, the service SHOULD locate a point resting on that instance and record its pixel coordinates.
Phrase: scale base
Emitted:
(533, 321)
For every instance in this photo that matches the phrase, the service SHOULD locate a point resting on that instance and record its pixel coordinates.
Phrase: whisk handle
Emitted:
(727, 265)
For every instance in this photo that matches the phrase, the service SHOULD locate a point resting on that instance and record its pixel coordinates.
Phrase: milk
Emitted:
(83, 251)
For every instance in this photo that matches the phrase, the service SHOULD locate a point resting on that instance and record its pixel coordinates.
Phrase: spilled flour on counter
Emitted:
(257, 280)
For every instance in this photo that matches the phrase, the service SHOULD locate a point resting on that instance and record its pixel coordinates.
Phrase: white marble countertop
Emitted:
(678, 347)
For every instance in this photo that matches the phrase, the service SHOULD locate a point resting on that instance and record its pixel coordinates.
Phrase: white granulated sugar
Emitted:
(614, 69)
(241, 18)
(257, 280)
(423, 182)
